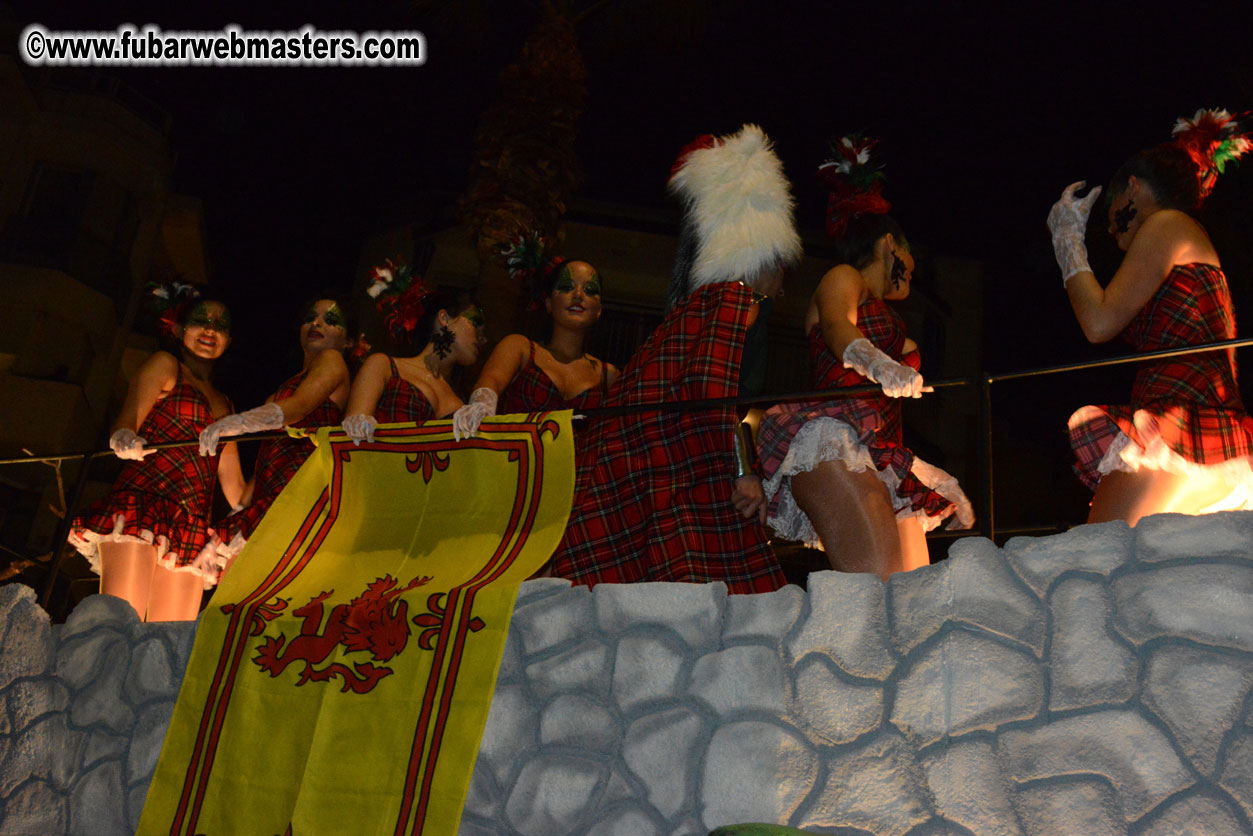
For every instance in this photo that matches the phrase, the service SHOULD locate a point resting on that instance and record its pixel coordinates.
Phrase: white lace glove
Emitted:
(125, 444)
(1068, 221)
(945, 484)
(897, 379)
(267, 417)
(466, 420)
(360, 427)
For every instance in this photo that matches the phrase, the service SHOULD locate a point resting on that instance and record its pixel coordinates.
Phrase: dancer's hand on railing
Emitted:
(125, 444)
(897, 379)
(467, 418)
(360, 427)
(266, 417)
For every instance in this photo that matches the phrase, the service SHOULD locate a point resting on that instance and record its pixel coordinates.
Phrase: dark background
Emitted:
(984, 113)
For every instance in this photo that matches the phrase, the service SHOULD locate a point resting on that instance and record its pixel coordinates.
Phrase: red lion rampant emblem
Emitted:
(375, 622)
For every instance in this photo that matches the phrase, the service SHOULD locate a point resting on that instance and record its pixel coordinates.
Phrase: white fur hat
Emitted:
(738, 208)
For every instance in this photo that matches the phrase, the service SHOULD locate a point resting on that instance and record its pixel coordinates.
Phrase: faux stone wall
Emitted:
(1095, 682)
(84, 707)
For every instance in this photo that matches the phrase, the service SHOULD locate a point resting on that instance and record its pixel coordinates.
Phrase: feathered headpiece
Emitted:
(170, 301)
(524, 259)
(400, 296)
(737, 220)
(856, 185)
(1212, 138)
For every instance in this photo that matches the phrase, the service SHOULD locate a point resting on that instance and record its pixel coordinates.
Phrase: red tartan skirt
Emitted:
(1177, 437)
(652, 498)
(862, 432)
(163, 500)
(277, 462)
(1185, 415)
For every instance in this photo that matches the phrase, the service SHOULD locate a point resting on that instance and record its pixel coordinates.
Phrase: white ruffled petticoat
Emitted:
(830, 439)
(87, 542)
(1126, 455)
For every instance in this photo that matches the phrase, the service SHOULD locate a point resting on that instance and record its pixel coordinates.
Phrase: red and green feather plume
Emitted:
(1212, 137)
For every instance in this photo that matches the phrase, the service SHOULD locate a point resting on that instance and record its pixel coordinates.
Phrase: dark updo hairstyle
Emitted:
(1168, 170)
(452, 300)
(856, 243)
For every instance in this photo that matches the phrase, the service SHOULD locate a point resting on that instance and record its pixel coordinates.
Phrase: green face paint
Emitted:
(565, 284)
(202, 317)
(334, 317)
(475, 317)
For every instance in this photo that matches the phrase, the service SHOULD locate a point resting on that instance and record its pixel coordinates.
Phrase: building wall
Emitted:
(85, 184)
(1098, 682)
(87, 217)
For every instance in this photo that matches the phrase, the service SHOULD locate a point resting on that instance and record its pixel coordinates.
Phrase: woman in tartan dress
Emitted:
(397, 390)
(144, 537)
(1185, 441)
(313, 398)
(559, 374)
(836, 472)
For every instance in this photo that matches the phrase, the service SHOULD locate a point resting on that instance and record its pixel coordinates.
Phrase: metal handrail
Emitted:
(984, 382)
(988, 511)
(594, 412)
(1160, 354)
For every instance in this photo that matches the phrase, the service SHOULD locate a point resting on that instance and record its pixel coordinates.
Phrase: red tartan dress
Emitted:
(401, 401)
(277, 462)
(166, 498)
(1185, 415)
(532, 390)
(862, 431)
(652, 494)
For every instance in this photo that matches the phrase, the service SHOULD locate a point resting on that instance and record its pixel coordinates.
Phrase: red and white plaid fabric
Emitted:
(168, 495)
(402, 402)
(277, 462)
(1192, 404)
(532, 390)
(875, 417)
(652, 497)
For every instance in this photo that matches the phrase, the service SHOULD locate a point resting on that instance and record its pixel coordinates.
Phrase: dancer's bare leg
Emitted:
(913, 544)
(126, 572)
(175, 595)
(852, 514)
(1130, 496)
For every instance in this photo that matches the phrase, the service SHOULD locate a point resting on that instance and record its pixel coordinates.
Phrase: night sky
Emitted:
(984, 112)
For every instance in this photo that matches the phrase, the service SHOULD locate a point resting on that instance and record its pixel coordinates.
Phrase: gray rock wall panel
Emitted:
(1098, 681)
(88, 705)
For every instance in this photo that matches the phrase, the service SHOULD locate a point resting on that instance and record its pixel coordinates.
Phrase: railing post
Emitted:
(63, 530)
(988, 511)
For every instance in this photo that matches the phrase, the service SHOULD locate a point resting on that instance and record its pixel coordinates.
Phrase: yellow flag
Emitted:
(342, 675)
